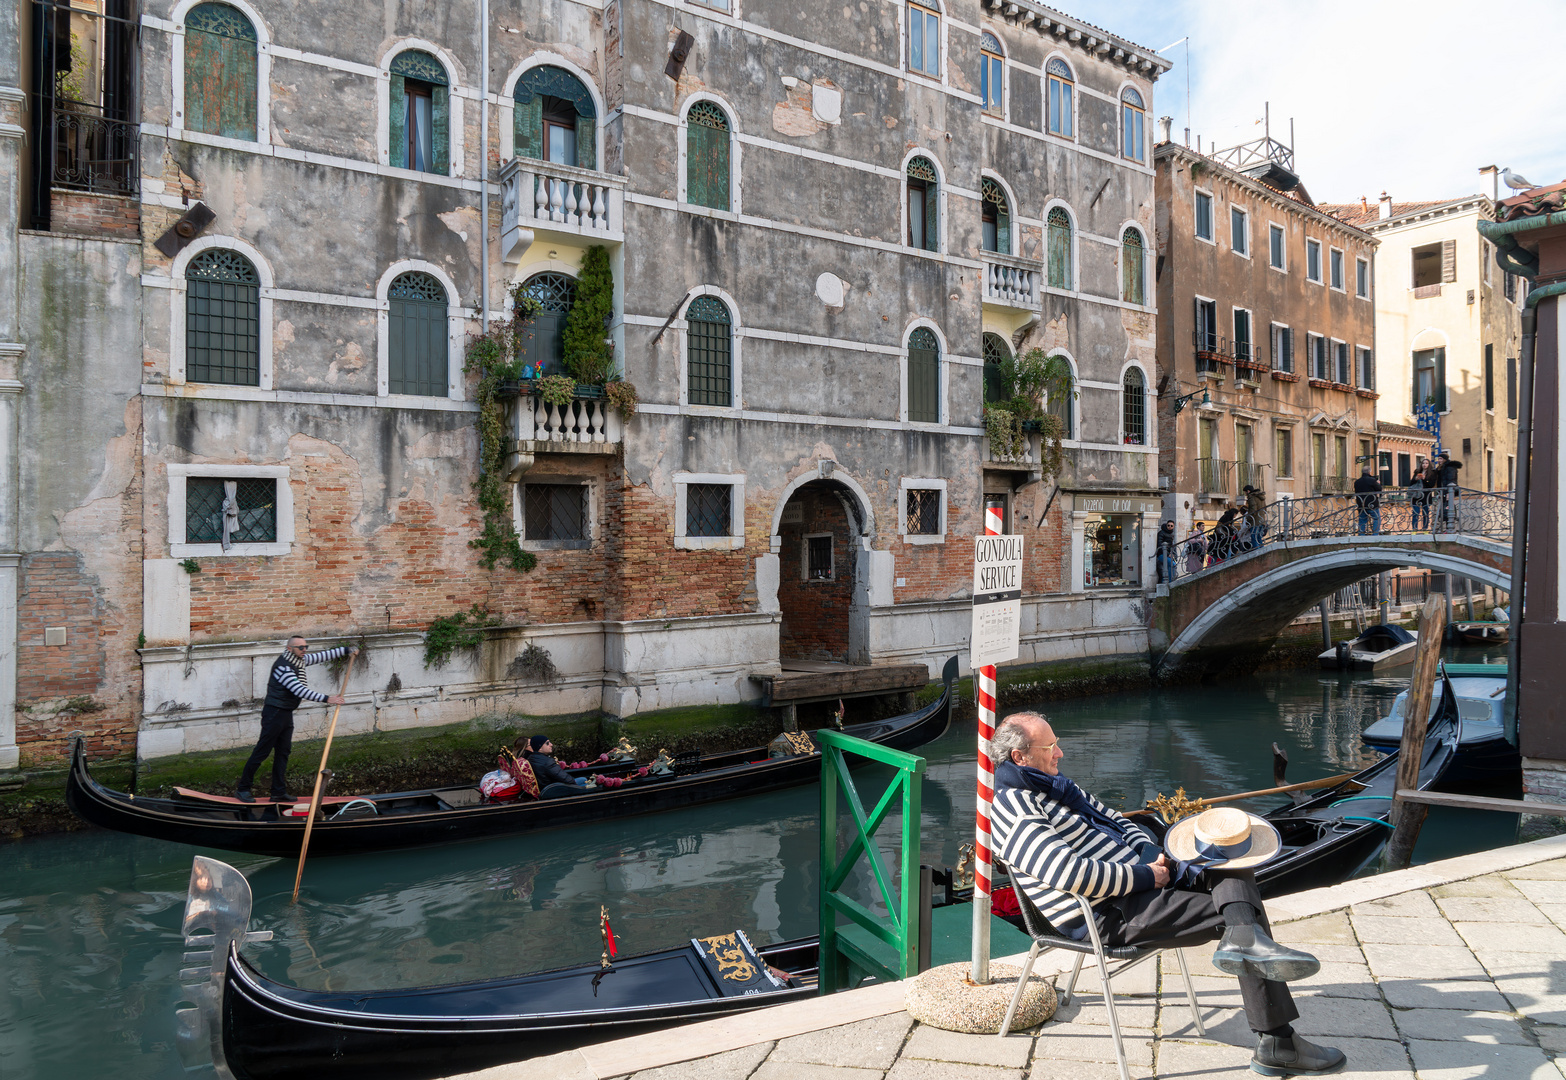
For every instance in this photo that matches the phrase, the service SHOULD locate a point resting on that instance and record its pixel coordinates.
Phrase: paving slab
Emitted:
(869, 1044)
(1338, 980)
(1468, 994)
(1552, 1037)
(915, 1069)
(734, 1065)
(1142, 979)
(1219, 1025)
(1519, 938)
(1462, 1060)
(1491, 909)
(1540, 892)
(1556, 913)
(1392, 930)
(935, 1044)
(1554, 870)
(1460, 1025)
(1538, 997)
(1136, 1014)
(1416, 905)
(1210, 991)
(802, 1070)
(1489, 885)
(1343, 1018)
(1082, 1070)
(1329, 929)
(1090, 1044)
(1180, 1059)
(1423, 962)
(1372, 1059)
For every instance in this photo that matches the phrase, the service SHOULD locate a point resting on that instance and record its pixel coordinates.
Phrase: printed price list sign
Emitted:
(997, 599)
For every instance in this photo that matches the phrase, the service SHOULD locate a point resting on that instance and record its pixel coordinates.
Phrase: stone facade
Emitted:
(371, 492)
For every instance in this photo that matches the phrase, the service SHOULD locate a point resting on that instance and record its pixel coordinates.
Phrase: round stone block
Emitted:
(943, 997)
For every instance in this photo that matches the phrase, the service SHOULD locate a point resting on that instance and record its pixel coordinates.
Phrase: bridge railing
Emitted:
(1440, 512)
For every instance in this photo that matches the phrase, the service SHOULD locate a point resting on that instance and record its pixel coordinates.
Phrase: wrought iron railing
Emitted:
(1430, 513)
(1248, 473)
(1212, 475)
(92, 152)
(1331, 484)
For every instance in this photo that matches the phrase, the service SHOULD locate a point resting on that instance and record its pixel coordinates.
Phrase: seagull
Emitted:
(1514, 181)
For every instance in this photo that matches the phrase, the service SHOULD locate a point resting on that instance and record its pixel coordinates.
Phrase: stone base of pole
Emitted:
(945, 997)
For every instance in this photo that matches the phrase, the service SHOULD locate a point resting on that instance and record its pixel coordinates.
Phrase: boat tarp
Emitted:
(1382, 630)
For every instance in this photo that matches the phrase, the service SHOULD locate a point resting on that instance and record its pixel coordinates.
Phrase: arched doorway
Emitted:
(819, 574)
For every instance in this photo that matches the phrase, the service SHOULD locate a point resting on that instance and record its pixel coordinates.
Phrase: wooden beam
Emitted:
(1406, 818)
(1481, 802)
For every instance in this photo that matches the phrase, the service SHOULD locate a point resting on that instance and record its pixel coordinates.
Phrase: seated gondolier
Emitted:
(285, 689)
(553, 780)
(1060, 842)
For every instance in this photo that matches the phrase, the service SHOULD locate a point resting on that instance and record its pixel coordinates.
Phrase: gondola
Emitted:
(271, 1031)
(444, 815)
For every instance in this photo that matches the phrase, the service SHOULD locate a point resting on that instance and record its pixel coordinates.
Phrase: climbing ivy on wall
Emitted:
(493, 356)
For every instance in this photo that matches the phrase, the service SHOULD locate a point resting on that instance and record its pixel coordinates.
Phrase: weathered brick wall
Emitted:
(815, 613)
(85, 212)
(943, 571)
(654, 580)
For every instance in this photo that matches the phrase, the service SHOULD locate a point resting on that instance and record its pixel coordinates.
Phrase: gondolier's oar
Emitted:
(1307, 785)
(320, 778)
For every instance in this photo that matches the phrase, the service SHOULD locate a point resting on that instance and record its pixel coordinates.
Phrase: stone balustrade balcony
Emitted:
(584, 425)
(1010, 281)
(543, 200)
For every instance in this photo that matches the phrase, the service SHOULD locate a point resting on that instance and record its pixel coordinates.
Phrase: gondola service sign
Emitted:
(997, 599)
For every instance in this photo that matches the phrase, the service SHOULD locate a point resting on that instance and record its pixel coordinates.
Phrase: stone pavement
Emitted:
(1452, 977)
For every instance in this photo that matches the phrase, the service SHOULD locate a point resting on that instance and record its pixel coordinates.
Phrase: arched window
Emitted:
(1058, 245)
(1133, 288)
(542, 347)
(1065, 407)
(220, 72)
(992, 77)
(997, 217)
(707, 156)
(1061, 90)
(1133, 407)
(995, 351)
(709, 350)
(923, 205)
(554, 119)
(924, 39)
(222, 319)
(417, 349)
(924, 376)
(420, 137)
(1132, 113)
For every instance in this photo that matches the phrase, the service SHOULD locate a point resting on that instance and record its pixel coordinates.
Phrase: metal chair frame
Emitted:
(1045, 938)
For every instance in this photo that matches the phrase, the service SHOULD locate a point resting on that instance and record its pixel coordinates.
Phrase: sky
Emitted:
(1411, 98)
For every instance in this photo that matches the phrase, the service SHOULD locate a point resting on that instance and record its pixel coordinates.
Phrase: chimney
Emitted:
(1386, 206)
(1164, 124)
(1364, 205)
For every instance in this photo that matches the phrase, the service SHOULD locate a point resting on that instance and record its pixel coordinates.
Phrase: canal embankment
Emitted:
(1443, 969)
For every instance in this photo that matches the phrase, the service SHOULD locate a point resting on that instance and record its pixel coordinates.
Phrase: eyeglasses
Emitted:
(1042, 746)
(299, 648)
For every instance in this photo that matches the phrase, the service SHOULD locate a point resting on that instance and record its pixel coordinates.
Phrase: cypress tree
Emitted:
(587, 356)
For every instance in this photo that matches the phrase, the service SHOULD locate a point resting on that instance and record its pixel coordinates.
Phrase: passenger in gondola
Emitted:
(1060, 843)
(553, 780)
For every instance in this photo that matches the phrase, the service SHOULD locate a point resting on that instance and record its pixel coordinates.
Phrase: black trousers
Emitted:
(1183, 916)
(277, 739)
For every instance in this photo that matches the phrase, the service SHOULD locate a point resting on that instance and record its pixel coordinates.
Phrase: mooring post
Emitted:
(1384, 588)
(1408, 817)
(1326, 626)
(1468, 596)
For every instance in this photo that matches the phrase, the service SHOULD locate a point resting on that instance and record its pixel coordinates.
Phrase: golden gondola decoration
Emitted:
(610, 950)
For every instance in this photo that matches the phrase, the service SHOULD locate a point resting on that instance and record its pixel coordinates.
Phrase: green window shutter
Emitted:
(1059, 242)
(528, 128)
(924, 377)
(397, 140)
(707, 156)
(220, 72)
(586, 149)
(1440, 379)
(696, 137)
(440, 129)
(932, 220)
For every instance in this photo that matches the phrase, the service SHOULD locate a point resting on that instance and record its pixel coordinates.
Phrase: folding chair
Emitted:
(1046, 938)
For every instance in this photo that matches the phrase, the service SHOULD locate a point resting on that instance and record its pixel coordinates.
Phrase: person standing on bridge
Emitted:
(1367, 496)
(1255, 515)
(1196, 549)
(1419, 497)
(1446, 478)
(1166, 553)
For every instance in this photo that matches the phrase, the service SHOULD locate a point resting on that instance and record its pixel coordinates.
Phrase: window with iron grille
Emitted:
(554, 512)
(420, 113)
(708, 509)
(542, 341)
(416, 336)
(222, 319)
(256, 500)
(923, 512)
(707, 156)
(818, 557)
(924, 376)
(710, 351)
(1057, 242)
(923, 205)
(1133, 393)
(995, 352)
(220, 72)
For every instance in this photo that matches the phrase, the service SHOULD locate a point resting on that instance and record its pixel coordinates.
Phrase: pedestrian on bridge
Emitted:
(1367, 496)
(1419, 486)
(1196, 549)
(1166, 553)
(1255, 515)
(1446, 478)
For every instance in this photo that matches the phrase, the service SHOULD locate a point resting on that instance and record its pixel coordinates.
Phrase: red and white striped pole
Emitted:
(994, 525)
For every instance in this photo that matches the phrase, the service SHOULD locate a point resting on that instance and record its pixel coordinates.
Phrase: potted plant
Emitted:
(1025, 382)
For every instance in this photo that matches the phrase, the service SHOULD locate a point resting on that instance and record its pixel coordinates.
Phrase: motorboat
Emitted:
(1483, 753)
(1380, 646)
(1496, 630)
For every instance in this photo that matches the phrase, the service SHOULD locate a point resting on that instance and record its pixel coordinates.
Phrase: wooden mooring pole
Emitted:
(1408, 817)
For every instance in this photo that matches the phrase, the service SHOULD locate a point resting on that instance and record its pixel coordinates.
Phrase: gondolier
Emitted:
(285, 689)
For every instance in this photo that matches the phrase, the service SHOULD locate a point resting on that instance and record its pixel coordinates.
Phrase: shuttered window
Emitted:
(996, 218)
(1062, 88)
(995, 353)
(1058, 245)
(416, 337)
(1133, 407)
(1313, 261)
(924, 377)
(710, 352)
(1366, 368)
(707, 156)
(222, 319)
(420, 136)
(542, 344)
(554, 118)
(1133, 288)
(1511, 388)
(923, 205)
(1489, 378)
(1282, 348)
(220, 72)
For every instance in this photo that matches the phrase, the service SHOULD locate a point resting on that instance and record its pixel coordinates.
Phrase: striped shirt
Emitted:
(288, 676)
(1056, 856)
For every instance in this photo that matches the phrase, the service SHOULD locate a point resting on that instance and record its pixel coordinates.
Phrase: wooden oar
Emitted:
(1307, 785)
(320, 778)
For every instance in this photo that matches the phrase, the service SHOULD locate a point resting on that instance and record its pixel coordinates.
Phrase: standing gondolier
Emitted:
(285, 689)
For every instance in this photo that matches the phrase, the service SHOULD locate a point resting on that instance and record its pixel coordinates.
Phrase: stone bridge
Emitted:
(1226, 616)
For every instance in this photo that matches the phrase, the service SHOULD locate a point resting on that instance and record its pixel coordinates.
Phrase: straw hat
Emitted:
(1223, 838)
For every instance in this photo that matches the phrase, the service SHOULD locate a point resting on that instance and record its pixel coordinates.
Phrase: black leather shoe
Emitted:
(244, 796)
(1290, 1055)
(282, 798)
(1245, 950)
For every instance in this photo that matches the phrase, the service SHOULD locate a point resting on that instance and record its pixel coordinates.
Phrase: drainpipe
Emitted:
(484, 163)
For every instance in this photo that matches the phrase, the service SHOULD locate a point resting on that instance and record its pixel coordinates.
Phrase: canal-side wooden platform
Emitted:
(806, 681)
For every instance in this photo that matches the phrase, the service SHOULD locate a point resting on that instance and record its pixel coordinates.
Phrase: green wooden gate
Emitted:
(843, 959)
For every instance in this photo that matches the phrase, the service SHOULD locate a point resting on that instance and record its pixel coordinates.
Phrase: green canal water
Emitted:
(89, 922)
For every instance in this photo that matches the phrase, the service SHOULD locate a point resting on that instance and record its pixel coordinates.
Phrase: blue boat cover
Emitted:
(1396, 633)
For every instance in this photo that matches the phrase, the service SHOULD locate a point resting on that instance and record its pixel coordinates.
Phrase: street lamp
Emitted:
(1185, 399)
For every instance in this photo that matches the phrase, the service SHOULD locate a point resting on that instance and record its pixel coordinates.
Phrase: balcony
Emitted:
(1331, 484)
(543, 200)
(1248, 472)
(1010, 281)
(1210, 350)
(585, 425)
(1213, 477)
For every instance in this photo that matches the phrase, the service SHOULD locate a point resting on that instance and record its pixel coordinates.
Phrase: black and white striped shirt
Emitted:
(286, 686)
(1056, 855)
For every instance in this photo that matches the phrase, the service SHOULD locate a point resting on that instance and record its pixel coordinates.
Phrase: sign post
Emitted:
(997, 623)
